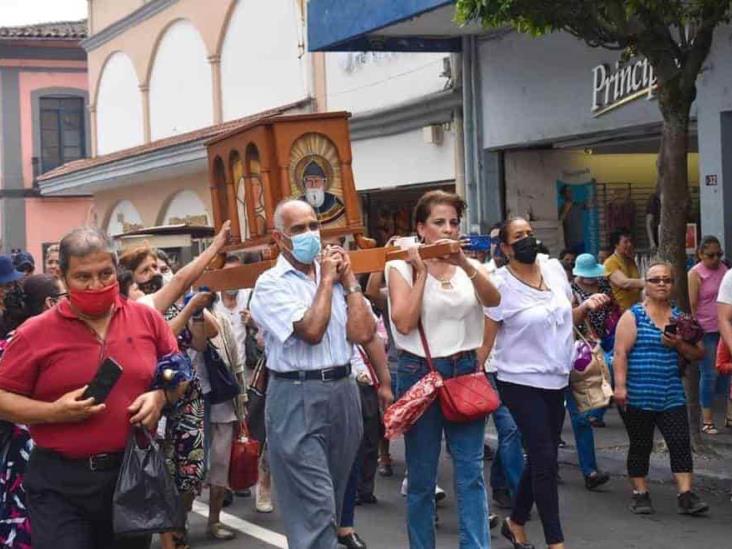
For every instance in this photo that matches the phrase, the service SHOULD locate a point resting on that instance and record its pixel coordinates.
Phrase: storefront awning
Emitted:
(384, 25)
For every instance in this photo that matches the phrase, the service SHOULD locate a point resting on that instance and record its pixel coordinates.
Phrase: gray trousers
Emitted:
(314, 429)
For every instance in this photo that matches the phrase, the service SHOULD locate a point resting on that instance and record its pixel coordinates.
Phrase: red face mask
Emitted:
(94, 303)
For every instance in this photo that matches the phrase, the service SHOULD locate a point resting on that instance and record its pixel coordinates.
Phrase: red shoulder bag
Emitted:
(463, 398)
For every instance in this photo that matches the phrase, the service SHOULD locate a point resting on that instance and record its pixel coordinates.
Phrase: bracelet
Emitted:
(475, 273)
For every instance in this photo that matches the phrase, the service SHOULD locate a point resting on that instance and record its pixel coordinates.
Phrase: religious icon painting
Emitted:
(315, 176)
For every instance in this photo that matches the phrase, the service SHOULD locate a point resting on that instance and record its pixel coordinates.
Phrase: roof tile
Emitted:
(63, 30)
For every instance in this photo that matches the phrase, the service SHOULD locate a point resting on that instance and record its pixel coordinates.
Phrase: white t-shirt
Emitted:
(535, 343)
(725, 289)
(234, 317)
(452, 318)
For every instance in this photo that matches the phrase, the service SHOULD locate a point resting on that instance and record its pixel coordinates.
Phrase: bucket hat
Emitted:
(8, 273)
(587, 266)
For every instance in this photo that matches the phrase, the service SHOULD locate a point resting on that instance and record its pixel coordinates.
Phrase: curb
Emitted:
(614, 463)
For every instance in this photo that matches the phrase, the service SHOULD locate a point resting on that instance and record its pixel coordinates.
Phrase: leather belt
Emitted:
(95, 463)
(326, 374)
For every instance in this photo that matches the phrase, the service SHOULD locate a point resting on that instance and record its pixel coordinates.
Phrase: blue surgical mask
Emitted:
(306, 246)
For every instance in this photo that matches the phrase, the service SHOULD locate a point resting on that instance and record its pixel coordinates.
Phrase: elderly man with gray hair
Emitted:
(311, 312)
(44, 373)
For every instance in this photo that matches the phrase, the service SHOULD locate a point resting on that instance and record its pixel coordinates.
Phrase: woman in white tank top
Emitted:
(447, 296)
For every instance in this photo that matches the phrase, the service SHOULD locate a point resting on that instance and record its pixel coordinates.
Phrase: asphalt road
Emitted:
(598, 520)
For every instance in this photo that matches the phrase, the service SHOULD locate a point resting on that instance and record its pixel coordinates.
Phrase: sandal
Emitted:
(181, 540)
(709, 429)
(220, 532)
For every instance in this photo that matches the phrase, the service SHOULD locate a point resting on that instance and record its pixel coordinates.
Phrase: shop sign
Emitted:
(618, 86)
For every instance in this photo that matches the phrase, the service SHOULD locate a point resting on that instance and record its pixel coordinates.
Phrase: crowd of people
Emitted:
(327, 358)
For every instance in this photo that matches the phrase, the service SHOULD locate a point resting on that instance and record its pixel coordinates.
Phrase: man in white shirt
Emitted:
(311, 311)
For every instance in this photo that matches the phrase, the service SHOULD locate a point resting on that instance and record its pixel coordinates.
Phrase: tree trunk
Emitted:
(674, 181)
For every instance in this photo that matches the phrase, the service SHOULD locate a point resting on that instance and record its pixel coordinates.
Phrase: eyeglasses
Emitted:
(660, 280)
(712, 255)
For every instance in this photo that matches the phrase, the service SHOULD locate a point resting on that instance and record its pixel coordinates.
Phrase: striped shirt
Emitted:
(653, 380)
(282, 296)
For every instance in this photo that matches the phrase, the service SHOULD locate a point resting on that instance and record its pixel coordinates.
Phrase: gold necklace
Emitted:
(445, 283)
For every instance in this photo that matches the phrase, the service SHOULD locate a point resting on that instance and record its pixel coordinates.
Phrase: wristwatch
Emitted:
(356, 288)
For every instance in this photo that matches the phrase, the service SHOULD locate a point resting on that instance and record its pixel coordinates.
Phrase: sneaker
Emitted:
(220, 532)
(709, 429)
(641, 504)
(595, 479)
(502, 498)
(263, 503)
(562, 443)
(691, 504)
(404, 487)
(439, 494)
(493, 520)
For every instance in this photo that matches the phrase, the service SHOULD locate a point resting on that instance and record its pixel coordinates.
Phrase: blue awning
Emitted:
(367, 25)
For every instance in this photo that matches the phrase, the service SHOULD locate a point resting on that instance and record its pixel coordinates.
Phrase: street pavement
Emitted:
(598, 520)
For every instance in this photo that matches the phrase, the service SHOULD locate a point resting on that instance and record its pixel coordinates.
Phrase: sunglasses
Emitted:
(660, 280)
(712, 255)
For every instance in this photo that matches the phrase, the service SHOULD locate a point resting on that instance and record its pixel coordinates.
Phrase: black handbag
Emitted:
(256, 393)
(224, 386)
(146, 500)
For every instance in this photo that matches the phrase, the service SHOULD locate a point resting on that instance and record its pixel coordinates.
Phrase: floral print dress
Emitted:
(15, 448)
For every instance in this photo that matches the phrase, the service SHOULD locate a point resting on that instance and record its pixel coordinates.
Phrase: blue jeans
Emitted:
(423, 444)
(508, 465)
(584, 438)
(711, 384)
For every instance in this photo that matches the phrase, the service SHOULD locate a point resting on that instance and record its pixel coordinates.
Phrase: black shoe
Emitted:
(691, 504)
(562, 443)
(641, 504)
(243, 493)
(368, 499)
(487, 453)
(502, 498)
(352, 541)
(493, 521)
(508, 534)
(597, 478)
(597, 423)
(228, 498)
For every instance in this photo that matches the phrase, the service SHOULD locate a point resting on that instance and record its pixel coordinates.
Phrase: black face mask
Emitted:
(525, 250)
(152, 285)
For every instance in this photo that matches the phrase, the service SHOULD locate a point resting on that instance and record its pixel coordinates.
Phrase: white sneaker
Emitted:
(263, 500)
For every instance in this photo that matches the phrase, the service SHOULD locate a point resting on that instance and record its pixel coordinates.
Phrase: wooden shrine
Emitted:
(253, 168)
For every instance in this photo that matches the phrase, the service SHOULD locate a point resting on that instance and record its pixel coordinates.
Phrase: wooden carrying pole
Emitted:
(362, 261)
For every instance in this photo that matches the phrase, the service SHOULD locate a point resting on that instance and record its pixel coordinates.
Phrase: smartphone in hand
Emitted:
(104, 381)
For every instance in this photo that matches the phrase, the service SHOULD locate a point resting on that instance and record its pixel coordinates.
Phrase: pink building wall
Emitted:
(48, 219)
(29, 82)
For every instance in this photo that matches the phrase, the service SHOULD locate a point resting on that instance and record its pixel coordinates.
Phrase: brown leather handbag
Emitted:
(466, 397)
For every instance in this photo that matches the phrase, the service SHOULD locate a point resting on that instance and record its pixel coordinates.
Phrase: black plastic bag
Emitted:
(146, 500)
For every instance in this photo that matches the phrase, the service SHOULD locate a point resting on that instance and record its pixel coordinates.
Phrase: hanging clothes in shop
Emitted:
(585, 232)
(621, 212)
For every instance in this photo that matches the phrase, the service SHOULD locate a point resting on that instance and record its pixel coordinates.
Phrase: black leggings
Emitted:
(674, 426)
(539, 414)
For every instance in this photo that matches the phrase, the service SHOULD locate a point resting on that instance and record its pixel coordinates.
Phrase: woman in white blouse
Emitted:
(447, 296)
(531, 334)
